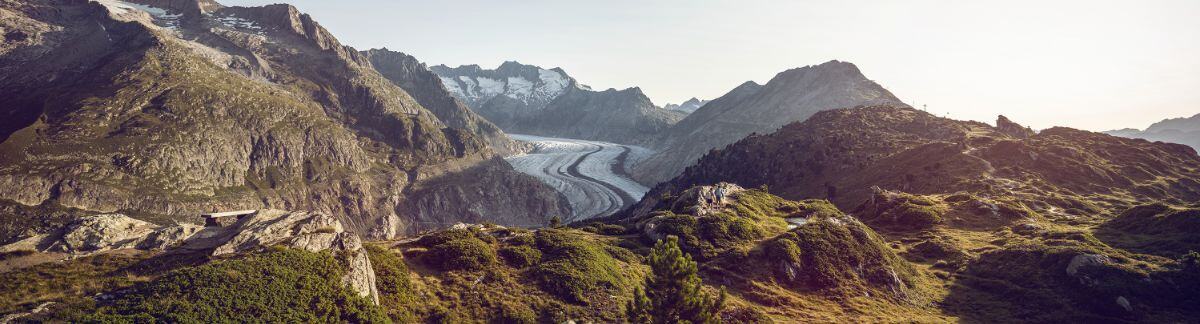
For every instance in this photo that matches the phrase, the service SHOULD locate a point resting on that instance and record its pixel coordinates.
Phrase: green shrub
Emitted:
(520, 256)
(514, 313)
(462, 253)
(708, 236)
(575, 268)
(902, 211)
(278, 286)
(844, 255)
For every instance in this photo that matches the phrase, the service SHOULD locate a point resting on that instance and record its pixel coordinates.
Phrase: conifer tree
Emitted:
(672, 292)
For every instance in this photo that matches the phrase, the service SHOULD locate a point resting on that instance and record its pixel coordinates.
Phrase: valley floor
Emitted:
(592, 175)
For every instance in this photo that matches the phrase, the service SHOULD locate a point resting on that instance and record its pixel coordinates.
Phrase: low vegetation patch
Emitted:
(282, 285)
(23, 289)
(578, 269)
(838, 254)
(396, 289)
(459, 249)
(1155, 229)
(901, 211)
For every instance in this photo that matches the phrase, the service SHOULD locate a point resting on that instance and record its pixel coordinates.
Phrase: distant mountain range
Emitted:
(527, 99)
(688, 106)
(750, 108)
(1184, 131)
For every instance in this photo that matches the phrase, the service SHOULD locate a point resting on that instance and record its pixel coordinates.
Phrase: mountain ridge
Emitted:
(792, 95)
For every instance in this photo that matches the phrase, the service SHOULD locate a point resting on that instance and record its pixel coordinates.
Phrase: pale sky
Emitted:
(1094, 64)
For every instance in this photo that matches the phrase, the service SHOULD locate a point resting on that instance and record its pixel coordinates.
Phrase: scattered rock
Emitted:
(1027, 228)
(1085, 260)
(1124, 303)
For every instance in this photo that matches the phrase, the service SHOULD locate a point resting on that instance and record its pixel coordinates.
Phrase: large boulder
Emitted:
(102, 233)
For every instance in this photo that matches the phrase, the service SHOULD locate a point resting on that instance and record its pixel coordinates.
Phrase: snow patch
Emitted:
(490, 87)
(452, 86)
(239, 24)
(519, 88)
(160, 17)
(553, 83)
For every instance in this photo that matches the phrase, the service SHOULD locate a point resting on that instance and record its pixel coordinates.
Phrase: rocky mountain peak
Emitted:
(1006, 126)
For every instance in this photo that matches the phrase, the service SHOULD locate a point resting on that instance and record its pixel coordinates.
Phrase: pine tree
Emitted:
(672, 292)
(555, 222)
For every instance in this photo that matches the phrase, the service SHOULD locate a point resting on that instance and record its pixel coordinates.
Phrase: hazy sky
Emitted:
(1091, 64)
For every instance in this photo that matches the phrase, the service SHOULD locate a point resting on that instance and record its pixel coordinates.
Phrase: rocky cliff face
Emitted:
(531, 100)
(162, 114)
(791, 96)
(1184, 131)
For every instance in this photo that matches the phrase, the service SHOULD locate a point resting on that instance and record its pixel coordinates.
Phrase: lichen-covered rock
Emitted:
(169, 237)
(102, 233)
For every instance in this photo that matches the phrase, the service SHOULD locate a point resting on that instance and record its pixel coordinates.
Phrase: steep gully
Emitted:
(591, 174)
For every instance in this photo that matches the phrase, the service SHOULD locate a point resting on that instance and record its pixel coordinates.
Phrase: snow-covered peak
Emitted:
(528, 84)
(689, 106)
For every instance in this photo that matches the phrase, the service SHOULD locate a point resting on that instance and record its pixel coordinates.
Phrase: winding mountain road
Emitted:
(592, 175)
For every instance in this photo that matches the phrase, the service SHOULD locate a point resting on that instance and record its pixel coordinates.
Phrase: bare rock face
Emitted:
(104, 232)
(489, 192)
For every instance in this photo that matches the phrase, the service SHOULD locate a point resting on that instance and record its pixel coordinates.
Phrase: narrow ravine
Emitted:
(590, 174)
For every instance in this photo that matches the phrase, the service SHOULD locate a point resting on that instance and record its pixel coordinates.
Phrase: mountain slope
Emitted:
(411, 75)
(165, 113)
(1184, 131)
(792, 95)
(527, 99)
(841, 154)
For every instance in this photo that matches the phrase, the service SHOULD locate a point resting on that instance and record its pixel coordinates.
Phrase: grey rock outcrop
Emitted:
(792, 95)
(107, 232)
